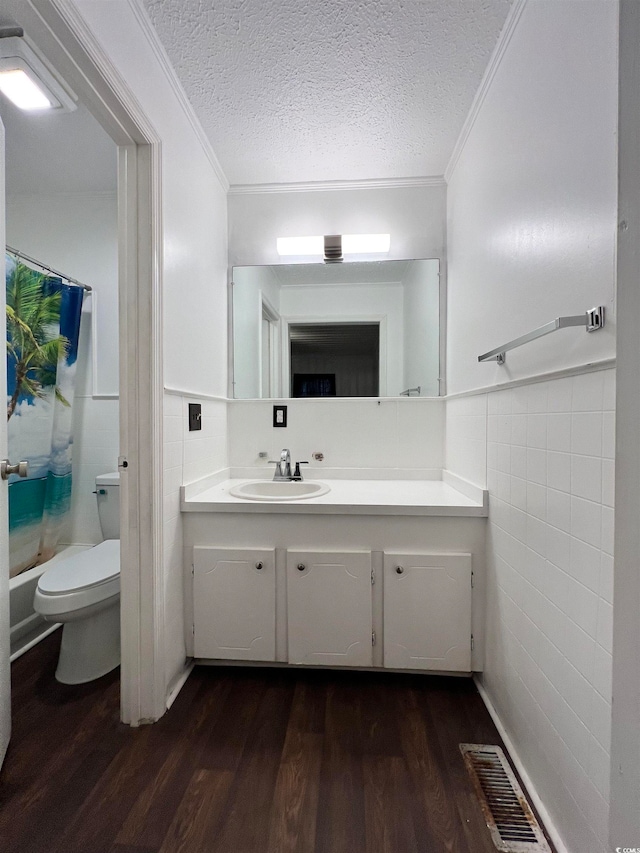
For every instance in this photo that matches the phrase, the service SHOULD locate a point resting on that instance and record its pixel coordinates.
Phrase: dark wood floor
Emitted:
(246, 761)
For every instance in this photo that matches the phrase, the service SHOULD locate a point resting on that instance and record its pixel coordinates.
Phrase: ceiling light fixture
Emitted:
(333, 247)
(24, 78)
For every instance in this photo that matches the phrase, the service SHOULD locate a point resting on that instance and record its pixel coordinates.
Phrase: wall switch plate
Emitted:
(279, 416)
(195, 416)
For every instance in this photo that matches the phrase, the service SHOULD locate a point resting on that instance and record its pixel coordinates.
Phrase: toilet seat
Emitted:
(79, 582)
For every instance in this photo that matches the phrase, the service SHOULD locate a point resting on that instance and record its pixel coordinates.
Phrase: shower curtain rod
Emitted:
(48, 269)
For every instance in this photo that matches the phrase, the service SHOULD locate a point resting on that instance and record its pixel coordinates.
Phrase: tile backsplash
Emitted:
(386, 433)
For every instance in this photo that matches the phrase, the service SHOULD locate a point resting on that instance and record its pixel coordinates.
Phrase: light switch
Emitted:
(279, 416)
(195, 416)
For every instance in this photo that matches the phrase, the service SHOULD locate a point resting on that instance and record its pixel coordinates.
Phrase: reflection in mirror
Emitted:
(361, 329)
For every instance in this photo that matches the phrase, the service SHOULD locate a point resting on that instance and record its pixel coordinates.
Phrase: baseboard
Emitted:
(178, 684)
(540, 807)
(28, 641)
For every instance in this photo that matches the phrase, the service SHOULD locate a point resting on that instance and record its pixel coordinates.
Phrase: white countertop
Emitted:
(348, 497)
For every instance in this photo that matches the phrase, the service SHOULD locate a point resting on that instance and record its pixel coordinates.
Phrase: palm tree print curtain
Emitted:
(43, 325)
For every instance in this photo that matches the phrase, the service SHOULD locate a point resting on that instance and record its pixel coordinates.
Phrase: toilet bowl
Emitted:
(83, 592)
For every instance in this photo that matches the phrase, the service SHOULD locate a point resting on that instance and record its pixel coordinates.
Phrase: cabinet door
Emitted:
(329, 608)
(234, 603)
(427, 611)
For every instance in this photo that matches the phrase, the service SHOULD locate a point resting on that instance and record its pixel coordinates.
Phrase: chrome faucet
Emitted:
(283, 466)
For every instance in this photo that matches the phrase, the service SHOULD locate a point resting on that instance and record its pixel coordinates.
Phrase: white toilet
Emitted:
(83, 592)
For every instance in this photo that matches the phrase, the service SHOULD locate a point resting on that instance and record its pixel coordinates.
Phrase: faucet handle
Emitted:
(296, 474)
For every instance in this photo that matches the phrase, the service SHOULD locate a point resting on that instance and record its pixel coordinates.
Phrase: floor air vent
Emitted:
(511, 822)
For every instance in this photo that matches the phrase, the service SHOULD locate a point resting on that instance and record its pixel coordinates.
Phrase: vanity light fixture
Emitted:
(333, 247)
(24, 78)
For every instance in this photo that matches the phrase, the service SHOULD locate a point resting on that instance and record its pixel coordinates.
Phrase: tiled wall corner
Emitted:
(550, 469)
(466, 438)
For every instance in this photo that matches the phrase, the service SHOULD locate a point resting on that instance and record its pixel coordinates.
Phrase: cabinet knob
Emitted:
(399, 570)
(259, 566)
(301, 567)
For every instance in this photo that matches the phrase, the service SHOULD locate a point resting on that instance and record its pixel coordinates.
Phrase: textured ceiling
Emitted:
(314, 90)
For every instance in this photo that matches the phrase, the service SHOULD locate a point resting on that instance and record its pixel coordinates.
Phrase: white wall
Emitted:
(414, 216)
(194, 262)
(421, 324)
(405, 435)
(531, 230)
(249, 285)
(532, 200)
(77, 233)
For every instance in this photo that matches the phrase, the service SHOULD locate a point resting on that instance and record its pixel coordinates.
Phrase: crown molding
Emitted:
(333, 186)
(162, 56)
(495, 60)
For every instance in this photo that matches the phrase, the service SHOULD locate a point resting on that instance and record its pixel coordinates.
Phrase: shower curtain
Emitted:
(43, 325)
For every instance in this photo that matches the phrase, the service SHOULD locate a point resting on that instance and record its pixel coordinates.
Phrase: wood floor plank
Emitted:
(295, 802)
(294, 811)
(249, 806)
(187, 727)
(388, 793)
(341, 820)
(445, 716)
(439, 816)
(197, 817)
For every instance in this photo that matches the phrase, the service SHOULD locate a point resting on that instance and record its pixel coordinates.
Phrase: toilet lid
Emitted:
(89, 568)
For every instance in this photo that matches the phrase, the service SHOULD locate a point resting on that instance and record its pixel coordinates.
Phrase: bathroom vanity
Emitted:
(370, 573)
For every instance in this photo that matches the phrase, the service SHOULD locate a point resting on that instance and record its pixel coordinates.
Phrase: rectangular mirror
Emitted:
(358, 329)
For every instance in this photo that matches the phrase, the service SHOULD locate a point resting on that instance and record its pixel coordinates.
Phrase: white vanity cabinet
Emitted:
(234, 603)
(427, 611)
(329, 608)
(329, 593)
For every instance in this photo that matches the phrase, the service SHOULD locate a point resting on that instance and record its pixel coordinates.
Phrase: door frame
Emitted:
(63, 35)
(374, 319)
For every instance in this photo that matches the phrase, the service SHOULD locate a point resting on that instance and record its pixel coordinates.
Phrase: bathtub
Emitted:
(27, 626)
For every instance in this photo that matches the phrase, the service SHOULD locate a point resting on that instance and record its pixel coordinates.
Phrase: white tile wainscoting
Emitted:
(188, 456)
(548, 463)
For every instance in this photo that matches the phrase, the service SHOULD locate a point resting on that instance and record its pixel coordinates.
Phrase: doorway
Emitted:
(64, 40)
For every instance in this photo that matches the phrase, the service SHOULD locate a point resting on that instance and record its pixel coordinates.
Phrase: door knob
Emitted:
(399, 569)
(6, 469)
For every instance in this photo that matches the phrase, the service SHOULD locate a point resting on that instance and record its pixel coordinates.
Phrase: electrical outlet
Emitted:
(195, 416)
(279, 416)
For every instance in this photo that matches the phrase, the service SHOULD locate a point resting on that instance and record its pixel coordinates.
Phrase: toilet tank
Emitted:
(108, 495)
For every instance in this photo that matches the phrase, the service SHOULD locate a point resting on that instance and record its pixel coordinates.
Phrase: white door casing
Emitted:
(5, 671)
(64, 35)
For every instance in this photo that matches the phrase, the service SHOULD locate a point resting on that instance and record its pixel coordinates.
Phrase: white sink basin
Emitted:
(275, 490)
